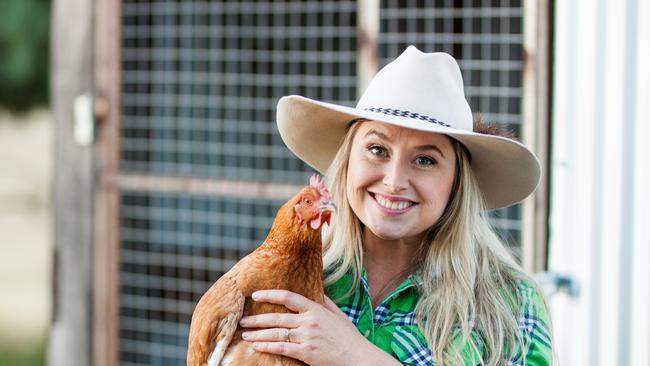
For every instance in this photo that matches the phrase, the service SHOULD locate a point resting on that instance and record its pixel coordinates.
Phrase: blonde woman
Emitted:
(414, 273)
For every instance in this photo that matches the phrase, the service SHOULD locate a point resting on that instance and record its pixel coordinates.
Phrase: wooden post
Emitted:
(70, 341)
(107, 197)
(368, 31)
(536, 127)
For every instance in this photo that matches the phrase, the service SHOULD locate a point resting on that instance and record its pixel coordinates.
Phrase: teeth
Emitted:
(400, 205)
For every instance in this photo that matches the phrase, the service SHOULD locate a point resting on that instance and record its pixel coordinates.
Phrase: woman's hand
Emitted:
(317, 334)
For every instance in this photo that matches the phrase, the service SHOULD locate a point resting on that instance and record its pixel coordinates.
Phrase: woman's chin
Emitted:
(396, 233)
(387, 233)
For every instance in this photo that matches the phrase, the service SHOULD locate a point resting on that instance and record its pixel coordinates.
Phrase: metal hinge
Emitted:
(88, 110)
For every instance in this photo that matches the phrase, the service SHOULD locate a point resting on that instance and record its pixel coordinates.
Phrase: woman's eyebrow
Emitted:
(430, 147)
(381, 135)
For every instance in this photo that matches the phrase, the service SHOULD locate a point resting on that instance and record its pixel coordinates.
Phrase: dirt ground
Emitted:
(26, 156)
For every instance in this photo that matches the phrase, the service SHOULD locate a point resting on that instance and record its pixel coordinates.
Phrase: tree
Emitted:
(24, 53)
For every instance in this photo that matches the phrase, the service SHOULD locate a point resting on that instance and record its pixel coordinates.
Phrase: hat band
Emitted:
(408, 114)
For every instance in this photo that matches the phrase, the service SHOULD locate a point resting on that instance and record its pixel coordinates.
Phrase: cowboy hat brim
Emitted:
(506, 170)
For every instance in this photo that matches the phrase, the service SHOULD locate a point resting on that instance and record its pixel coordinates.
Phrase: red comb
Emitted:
(316, 182)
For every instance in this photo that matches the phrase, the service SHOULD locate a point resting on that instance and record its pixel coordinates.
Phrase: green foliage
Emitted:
(24, 53)
(24, 355)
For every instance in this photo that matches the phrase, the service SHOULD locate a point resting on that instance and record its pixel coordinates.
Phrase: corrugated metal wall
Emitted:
(600, 220)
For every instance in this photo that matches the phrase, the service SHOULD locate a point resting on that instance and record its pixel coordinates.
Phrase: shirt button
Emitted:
(366, 333)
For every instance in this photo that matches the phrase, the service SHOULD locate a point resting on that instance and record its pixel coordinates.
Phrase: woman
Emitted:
(416, 274)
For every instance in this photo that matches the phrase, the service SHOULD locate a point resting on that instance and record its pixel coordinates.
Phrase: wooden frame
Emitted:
(104, 349)
(368, 31)
(536, 127)
(71, 338)
(107, 111)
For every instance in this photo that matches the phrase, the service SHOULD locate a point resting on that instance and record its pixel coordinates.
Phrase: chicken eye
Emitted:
(307, 201)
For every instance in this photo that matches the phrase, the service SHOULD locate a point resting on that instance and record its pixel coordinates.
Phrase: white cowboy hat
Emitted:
(422, 91)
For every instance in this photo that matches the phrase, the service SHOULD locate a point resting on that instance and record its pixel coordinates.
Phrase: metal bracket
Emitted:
(84, 119)
(553, 283)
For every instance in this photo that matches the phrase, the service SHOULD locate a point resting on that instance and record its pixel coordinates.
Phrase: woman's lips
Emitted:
(393, 205)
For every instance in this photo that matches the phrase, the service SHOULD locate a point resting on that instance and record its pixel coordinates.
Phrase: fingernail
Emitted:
(255, 295)
(246, 335)
(243, 321)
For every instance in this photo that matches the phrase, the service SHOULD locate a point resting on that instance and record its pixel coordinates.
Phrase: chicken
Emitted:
(290, 258)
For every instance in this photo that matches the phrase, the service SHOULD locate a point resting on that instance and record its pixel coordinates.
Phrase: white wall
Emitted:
(599, 215)
(25, 227)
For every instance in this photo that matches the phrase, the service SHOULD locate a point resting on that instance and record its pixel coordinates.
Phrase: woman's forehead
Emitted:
(392, 132)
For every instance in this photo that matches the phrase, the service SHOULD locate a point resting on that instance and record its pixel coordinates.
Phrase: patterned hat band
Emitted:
(408, 114)
(397, 112)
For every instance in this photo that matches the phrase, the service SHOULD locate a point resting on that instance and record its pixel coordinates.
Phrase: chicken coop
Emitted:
(171, 166)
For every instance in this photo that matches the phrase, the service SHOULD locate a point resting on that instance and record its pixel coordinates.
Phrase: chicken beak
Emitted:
(328, 206)
(327, 209)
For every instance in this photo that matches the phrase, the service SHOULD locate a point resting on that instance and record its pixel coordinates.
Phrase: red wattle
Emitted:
(316, 222)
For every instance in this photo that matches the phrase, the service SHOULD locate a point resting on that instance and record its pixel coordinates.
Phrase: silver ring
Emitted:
(286, 334)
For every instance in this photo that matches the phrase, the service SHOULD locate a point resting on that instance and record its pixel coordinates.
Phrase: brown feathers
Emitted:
(290, 258)
(487, 128)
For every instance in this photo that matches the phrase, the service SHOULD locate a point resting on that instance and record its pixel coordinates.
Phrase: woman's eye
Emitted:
(377, 150)
(425, 160)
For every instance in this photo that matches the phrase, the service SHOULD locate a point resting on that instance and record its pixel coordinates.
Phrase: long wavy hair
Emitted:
(469, 279)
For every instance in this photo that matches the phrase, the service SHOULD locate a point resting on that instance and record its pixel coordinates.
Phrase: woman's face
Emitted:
(399, 180)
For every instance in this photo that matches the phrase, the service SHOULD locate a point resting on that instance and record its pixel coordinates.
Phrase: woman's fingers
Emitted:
(271, 320)
(293, 350)
(316, 334)
(291, 300)
(273, 335)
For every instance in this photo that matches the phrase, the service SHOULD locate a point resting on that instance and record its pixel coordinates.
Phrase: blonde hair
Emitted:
(469, 279)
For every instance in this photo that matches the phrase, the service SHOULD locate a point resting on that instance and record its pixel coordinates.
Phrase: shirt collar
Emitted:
(413, 281)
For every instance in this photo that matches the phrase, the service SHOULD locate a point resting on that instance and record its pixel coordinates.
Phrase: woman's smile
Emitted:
(392, 205)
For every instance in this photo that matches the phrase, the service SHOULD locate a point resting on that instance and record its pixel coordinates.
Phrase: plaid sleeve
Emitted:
(534, 326)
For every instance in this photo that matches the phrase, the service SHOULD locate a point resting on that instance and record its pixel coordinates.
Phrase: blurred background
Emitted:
(26, 159)
(140, 158)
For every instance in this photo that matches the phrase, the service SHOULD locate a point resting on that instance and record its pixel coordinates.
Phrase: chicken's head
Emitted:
(314, 204)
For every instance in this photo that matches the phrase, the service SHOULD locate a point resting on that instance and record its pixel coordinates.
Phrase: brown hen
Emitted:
(290, 258)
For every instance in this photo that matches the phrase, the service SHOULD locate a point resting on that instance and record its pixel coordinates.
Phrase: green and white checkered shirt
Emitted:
(392, 327)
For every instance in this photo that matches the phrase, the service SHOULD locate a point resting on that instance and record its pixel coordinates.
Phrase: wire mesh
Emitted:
(486, 38)
(173, 247)
(200, 81)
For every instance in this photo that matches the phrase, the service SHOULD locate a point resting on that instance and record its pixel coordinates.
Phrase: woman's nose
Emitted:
(395, 177)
